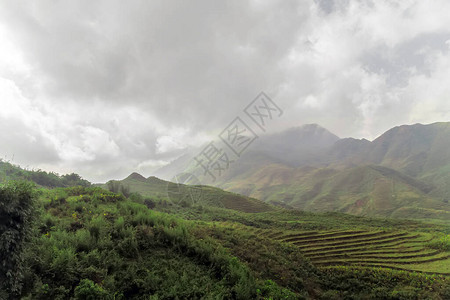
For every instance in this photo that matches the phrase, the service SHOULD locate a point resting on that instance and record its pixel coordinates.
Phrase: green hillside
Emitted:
(186, 194)
(417, 150)
(365, 190)
(89, 243)
(9, 171)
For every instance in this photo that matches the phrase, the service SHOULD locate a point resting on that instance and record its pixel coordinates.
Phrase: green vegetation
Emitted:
(441, 243)
(185, 195)
(90, 243)
(16, 214)
(9, 171)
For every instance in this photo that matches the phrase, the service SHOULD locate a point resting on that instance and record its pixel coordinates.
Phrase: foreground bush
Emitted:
(16, 214)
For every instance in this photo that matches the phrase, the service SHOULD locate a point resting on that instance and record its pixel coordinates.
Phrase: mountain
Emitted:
(410, 148)
(310, 168)
(186, 195)
(421, 151)
(296, 146)
(181, 163)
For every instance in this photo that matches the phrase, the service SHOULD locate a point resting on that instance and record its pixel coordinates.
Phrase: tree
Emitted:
(125, 190)
(74, 180)
(149, 203)
(113, 186)
(16, 214)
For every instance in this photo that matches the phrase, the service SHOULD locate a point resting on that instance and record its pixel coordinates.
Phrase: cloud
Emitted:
(104, 88)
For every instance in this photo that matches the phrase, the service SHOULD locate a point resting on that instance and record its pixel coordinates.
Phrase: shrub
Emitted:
(88, 290)
(149, 203)
(143, 218)
(136, 197)
(76, 191)
(113, 186)
(83, 240)
(270, 290)
(96, 227)
(119, 223)
(443, 243)
(16, 214)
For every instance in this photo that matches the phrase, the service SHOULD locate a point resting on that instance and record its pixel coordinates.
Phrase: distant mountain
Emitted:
(310, 168)
(421, 151)
(296, 146)
(414, 149)
(181, 163)
(348, 152)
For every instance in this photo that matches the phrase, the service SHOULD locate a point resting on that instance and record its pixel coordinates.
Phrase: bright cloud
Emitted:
(104, 88)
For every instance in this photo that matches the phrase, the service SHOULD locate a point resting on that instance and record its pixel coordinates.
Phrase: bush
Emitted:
(88, 290)
(270, 290)
(442, 243)
(149, 203)
(16, 215)
(96, 227)
(136, 197)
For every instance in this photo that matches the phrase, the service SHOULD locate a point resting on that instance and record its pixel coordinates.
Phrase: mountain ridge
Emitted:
(280, 166)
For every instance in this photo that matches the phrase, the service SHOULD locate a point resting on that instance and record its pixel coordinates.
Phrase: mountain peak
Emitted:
(155, 179)
(136, 176)
(312, 126)
(310, 133)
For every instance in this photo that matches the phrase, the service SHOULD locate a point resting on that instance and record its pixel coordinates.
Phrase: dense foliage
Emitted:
(94, 244)
(16, 214)
(9, 171)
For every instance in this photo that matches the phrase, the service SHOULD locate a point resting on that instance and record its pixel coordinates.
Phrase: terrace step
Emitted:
(315, 248)
(354, 251)
(316, 235)
(387, 266)
(333, 237)
(387, 256)
(374, 261)
(275, 235)
(380, 237)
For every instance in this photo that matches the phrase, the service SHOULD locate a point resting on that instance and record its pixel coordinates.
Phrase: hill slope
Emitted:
(187, 195)
(366, 190)
(9, 171)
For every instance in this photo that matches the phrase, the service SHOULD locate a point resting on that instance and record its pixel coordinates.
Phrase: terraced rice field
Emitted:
(250, 205)
(388, 249)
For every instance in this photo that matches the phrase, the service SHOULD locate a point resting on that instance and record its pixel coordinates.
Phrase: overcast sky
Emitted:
(104, 88)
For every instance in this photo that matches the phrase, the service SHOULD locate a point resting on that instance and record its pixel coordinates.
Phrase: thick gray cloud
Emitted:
(104, 88)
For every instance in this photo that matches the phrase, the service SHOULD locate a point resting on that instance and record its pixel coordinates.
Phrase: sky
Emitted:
(105, 88)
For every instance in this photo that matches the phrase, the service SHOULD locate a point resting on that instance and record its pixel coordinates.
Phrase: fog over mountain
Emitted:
(239, 149)
(405, 171)
(135, 84)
